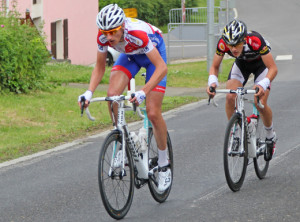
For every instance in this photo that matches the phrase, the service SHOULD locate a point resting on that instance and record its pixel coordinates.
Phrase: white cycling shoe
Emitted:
(164, 178)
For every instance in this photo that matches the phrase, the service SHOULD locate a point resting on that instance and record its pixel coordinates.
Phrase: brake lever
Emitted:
(211, 89)
(82, 103)
(258, 101)
(133, 104)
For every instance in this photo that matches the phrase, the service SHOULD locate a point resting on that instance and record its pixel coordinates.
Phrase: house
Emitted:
(69, 25)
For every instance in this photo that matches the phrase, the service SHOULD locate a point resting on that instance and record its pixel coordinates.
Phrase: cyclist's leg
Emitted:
(266, 112)
(123, 70)
(266, 115)
(154, 103)
(230, 98)
(153, 106)
(235, 79)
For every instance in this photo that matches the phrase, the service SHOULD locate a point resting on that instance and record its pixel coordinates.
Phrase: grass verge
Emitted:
(42, 120)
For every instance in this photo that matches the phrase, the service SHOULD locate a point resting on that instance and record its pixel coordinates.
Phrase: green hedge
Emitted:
(23, 53)
(155, 12)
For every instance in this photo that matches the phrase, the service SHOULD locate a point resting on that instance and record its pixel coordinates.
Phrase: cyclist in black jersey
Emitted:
(252, 53)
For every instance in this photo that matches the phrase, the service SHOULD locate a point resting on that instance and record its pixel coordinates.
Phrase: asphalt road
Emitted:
(62, 185)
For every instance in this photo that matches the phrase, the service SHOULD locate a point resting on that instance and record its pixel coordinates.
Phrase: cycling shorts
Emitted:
(242, 69)
(131, 64)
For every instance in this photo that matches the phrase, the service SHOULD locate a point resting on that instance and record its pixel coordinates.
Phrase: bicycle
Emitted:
(244, 139)
(117, 181)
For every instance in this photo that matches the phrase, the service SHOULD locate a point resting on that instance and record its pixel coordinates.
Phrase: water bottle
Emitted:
(252, 124)
(143, 139)
(141, 160)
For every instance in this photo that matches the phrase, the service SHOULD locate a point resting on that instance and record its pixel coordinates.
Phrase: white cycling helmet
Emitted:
(110, 17)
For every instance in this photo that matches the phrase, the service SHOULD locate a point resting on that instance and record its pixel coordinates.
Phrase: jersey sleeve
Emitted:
(258, 43)
(148, 48)
(221, 48)
(102, 42)
(140, 39)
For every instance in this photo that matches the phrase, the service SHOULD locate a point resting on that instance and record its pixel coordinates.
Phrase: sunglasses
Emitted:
(236, 45)
(111, 31)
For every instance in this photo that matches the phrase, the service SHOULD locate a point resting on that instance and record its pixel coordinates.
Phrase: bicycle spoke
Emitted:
(115, 183)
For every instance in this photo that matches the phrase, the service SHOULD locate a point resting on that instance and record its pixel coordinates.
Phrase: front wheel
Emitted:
(116, 185)
(235, 159)
(260, 164)
(153, 158)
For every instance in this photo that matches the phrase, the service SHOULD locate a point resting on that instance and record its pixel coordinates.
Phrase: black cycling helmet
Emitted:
(234, 32)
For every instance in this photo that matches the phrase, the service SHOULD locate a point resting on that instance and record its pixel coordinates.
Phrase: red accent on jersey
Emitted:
(137, 38)
(222, 48)
(101, 36)
(254, 42)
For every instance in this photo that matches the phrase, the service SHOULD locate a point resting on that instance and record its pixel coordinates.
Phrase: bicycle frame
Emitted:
(238, 148)
(240, 109)
(140, 162)
(124, 163)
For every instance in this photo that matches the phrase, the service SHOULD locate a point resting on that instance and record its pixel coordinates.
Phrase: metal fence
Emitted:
(190, 33)
(192, 15)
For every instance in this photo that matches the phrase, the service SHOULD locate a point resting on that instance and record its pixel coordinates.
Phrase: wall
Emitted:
(82, 26)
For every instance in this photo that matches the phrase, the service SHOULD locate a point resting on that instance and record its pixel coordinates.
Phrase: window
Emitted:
(34, 1)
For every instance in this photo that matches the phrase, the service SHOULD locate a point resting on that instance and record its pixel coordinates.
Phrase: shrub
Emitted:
(155, 12)
(23, 53)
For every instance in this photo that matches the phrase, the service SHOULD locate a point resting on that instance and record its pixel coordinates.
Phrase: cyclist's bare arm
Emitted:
(272, 71)
(97, 74)
(270, 64)
(160, 70)
(98, 71)
(214, 70)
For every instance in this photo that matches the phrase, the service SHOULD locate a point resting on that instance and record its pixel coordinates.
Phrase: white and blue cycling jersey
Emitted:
(140, 38)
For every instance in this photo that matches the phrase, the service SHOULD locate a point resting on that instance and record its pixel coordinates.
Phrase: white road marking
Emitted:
(284, 57)
(177, 46)
(277, 160)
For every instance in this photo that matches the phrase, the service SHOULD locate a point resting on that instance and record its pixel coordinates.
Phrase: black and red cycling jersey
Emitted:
(254, 47)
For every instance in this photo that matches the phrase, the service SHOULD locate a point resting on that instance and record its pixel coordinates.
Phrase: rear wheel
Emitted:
(153, 158)
(116, 185)
(235, 160)
(260, 164)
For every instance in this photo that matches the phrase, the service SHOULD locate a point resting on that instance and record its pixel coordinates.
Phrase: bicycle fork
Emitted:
(121, 127)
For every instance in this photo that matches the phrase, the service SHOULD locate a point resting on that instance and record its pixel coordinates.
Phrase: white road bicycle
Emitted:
(117, 181)
(244, 140)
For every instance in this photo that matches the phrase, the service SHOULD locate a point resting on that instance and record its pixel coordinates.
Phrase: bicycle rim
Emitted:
(235, 165)
(153, 158)
(116, 190)
(260, 165)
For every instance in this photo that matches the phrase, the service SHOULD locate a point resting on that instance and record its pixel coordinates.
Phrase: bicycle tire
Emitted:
(160, 197)
(261, 166)
(234, 162)
(116, 191)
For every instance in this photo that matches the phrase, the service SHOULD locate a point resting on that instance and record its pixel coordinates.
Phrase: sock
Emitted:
(163, 158)
(270, 132)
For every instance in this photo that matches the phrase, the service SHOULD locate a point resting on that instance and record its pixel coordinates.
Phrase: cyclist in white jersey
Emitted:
(141, 45)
